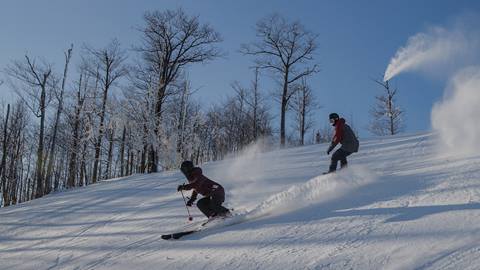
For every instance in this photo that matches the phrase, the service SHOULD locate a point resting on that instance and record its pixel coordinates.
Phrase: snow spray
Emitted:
(426, 51)
(451, 52)
(456, 117)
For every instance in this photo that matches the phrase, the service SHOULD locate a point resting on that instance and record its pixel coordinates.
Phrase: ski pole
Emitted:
(188, 211)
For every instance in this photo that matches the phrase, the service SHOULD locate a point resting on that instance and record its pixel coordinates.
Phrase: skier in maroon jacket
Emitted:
(213, 192)
(344, 136)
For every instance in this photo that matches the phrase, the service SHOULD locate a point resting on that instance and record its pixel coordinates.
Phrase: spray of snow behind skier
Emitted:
(240, 175)
(443, 52)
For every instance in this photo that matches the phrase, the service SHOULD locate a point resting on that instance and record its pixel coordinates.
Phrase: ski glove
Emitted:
(190, 202)
(180, 187)
(330, 148)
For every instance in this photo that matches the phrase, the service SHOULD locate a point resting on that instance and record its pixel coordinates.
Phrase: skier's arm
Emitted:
(330, 148)
(193, 198)
(192, 179)
(184, 187)
(338, 137)
(187, 186)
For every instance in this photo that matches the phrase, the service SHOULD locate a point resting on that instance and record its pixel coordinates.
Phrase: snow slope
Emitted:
(398, 206)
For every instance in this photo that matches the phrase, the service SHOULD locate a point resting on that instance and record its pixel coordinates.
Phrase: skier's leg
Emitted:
(343, 159)
(216, 203)
(204, 205)
(335, 158)
(343, 163)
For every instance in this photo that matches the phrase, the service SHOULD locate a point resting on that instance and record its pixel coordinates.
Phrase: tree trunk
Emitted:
(152, 160)
(40, 152)
(13, 175)
(83, 166)
(130, 162)
(303, 115)
(111, 135)
(153, 154)
(255, 106)
(4, 156)
(72, 171)
(181, 124)
(127, 169)
(283, 109)
(98, 144)
(51, 156)
(122, 152)
(27, 175)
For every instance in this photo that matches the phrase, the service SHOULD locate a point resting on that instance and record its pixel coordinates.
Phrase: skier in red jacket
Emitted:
(213, 192)
(345, 136)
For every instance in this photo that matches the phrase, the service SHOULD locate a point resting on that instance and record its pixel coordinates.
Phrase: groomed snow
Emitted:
(400, 205)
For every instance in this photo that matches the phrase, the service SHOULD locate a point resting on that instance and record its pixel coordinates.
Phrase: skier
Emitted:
(345, 136)
(214, 194)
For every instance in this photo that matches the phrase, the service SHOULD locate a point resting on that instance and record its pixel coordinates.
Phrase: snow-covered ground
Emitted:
(400, 205)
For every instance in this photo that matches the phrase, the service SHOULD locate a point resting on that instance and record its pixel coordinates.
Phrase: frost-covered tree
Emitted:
(15, 142)
(171, 41)
(107, 65)
(35, 82)
(230, 124)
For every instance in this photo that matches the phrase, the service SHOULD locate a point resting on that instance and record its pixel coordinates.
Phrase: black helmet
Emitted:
(333, 116)
(186, 167)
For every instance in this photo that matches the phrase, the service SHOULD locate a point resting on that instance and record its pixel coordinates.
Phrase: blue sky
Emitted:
(356, 41)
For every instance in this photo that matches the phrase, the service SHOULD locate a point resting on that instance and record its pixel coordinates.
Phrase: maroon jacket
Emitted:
(201, 184)
(345, 136)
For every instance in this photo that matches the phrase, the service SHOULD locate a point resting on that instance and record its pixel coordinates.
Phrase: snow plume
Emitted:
(240, 173)
(456, 117)
(319, 189)
(248, 163)
(449, 51)
(438, 48)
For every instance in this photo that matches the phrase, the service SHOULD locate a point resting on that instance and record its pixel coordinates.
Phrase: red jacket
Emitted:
(201, 184)
(345, 136)
(339, 131)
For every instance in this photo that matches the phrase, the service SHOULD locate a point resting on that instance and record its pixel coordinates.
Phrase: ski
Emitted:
(208, 224)
(177, 235)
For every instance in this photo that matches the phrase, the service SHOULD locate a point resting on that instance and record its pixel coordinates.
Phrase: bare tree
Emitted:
(256, 103)
(122, 151)
(287, 49)
(37, 83)
(4, 156)
(228, 126)
(304, 104)
(386, 115)
(171, 41)
(138, 110)
(76, 118)
(59, 96)
(253, 112)
(14, 141)
(110, 138)
(108, 66)
(185, 93)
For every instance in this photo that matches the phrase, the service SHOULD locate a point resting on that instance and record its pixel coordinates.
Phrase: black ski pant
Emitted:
(339, 155)
(212, 205)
